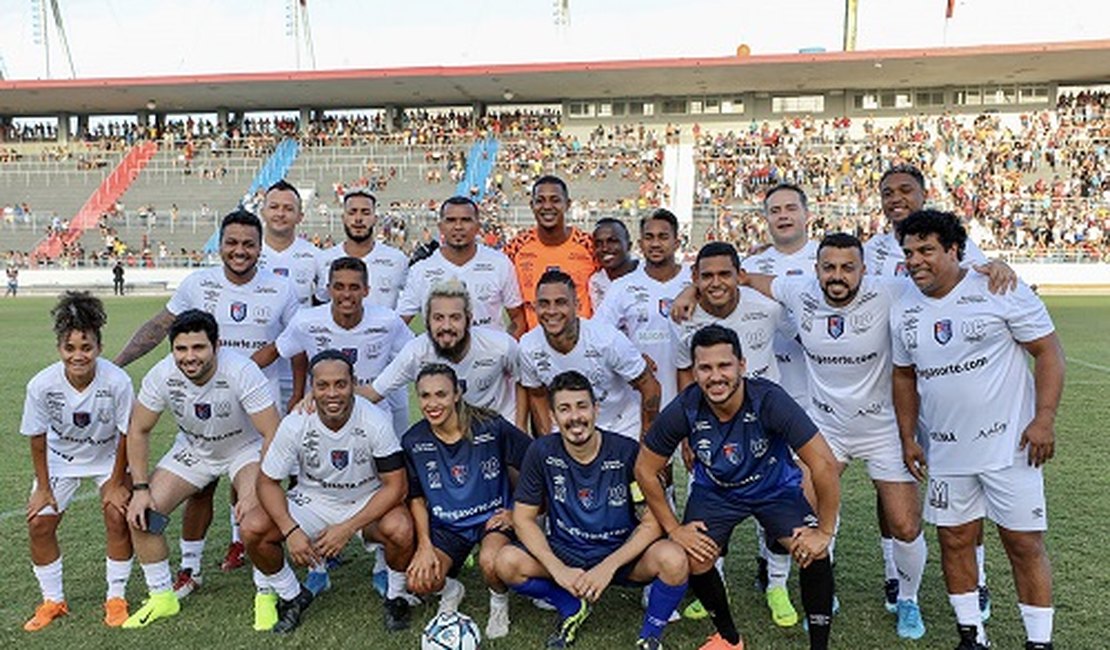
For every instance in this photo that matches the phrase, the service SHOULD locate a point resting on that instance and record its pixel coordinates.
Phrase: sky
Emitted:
(129, 38)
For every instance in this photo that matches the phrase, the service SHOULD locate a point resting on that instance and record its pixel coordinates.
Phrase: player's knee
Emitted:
(956, 538)
(115, 523)
(487, 563)
(42, 526)
(508, 565)
(674, 566)
(396, 527)
(256, 526)
(698, 567)
(905, 528)
(1024, 547)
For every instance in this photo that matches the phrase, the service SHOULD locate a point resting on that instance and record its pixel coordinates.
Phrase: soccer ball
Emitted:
(451, 631)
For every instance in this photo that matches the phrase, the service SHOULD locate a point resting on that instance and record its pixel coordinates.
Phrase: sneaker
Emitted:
(289, 612)
(451, 596)
(317, 582)
(45, 614)
(910, 625)
(396, 614)
(985, 603)
(890, 595)
(782, 611)
(650, 643)
(969, 638)
(540, 603)
(381, 582)
(186, 583)
(115, 612)
(761, 579)
(235, 558)
(695, 611)
(566, 630)
(160, 605)
(1040, 645)
(716, 642)
(498, 625)
(265, 611)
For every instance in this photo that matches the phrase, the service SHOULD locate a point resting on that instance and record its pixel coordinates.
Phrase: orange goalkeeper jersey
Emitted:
(531, 258)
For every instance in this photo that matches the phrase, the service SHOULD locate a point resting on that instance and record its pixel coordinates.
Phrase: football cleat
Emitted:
(45, 615)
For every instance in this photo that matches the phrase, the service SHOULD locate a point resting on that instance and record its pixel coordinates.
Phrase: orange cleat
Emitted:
(115, 612)
(45, 614)
(717, 642)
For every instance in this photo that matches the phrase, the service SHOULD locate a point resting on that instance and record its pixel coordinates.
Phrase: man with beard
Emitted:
(484, 358)
(743, 432)
(565, 341)
(252, 307)
(486, 273)
(388, 266)
(224, 410)
(612, 245)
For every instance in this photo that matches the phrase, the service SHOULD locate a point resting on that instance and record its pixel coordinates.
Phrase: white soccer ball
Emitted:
(451, 631)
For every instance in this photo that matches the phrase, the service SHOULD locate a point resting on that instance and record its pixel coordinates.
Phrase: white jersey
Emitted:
(489, 277)
(387, 267)
(882, 255)
(605, 356)
(788, 352)
(213, 420)
(335, 467)
(640, 307)
(489, 369)
(598, 285)
(249, 315)
(976, 390)
(847, 348)
(370, 345)
(82, 427)
(298, 263)
(755, 320)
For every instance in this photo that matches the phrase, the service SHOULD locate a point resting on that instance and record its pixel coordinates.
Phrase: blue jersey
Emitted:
(590, 512)
(748, 455)
(464, 483)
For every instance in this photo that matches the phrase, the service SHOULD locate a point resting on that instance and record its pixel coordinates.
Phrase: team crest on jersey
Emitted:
(491, 468)
(938, 494)
(900, 269)
(586, 497)
(351, 354)
(835, 325)
(731, 451)
(759, 447)
(202, 410)
(340, 458)
(282, 271)
(104, 414)
(942, 331)
(665, 307)
(81, 419)
(238, 311)
(222, 409)
(459, 473)
(618, 495)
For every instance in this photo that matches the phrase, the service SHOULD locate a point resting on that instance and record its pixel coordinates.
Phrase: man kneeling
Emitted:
(350, 479)
(599, 531)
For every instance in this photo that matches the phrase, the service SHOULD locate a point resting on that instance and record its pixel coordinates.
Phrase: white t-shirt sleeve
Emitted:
(408, 304)
(124, 400)
(511, 297)
(385, 442)
(1026, 315)
(281, 456)
(150, 392)
(529, 377)
(512, 358)
(323, 264)
(182, 298)
(256, 396)
(289, 343)
(681, 344)
(291, 307)
(398, 373)
(609, 311)
(784, 325)
(35, 419)
(899, 355)
(624, 357)
(785, 289)
(973, 254)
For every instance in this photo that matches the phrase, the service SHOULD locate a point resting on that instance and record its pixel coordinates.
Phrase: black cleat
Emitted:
(291, 611)
(396, 614)
(1041, 645)
(969, 638)
(890, 592)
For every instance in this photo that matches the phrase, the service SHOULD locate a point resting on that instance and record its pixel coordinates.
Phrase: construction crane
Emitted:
(41, 31)
(298, 27)
(851, 11)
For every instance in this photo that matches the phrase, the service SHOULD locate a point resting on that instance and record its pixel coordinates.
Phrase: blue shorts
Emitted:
(578, 561)
(458, 545)
(721, 511)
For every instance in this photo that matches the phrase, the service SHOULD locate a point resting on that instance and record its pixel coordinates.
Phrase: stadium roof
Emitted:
(1076, 62)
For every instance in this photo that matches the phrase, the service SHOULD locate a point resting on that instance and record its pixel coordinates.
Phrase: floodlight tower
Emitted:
(561, 13)
(297, 27)
(41, 32)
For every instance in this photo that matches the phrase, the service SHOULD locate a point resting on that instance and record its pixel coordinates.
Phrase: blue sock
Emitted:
(547, 590)
(663, 600)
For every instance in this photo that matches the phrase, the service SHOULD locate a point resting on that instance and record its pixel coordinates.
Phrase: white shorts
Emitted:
(872, 439)
(64, 487)
(314, 514)
(1012, 497)
(182, 461)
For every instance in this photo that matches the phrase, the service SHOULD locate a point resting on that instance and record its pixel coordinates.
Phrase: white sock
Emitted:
(498, 599)
(890, 569)
(910, 558)
(396, 587)
(719, 564)
(50, 580)
(117, 572)
(191, 553)
(778, 570)
(379, 559)
(261, 581)
(761, 540)
(158, 577)
(285, 583)
(1038, 622)
(319, 567)
(981, 560)
(967, 611)
(234, 526)
(450, 586)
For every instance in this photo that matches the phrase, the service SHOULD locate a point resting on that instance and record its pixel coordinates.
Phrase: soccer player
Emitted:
(458, 460)
(283, 252)
(566, 341)
(843, 318)
(487, 273)
(75, 416)
(224, 409)
(961, 369)
(388, 266)
(612, 247)
(485, 359)
(742, 432)
(598, 532)
(551, 244)
(350, 479)
(251, 307)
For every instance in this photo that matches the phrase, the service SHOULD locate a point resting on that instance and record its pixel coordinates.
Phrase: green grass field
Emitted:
(219, 615)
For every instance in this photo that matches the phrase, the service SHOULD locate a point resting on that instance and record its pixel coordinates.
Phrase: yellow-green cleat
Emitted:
(265, 612)
(782, 611)
(695, 611)
(163, 604)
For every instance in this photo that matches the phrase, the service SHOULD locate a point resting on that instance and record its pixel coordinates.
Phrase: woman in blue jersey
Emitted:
(459, 459)
(75, 416)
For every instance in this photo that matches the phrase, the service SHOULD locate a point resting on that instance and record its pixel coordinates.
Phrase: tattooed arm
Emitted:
(145, 338)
